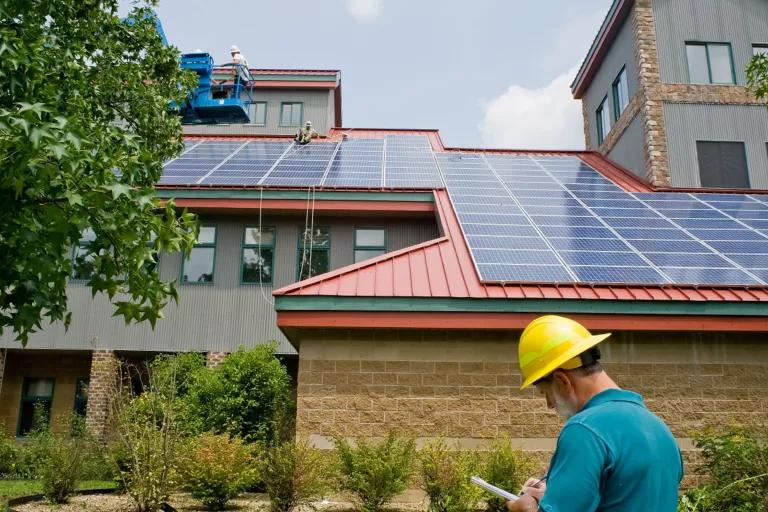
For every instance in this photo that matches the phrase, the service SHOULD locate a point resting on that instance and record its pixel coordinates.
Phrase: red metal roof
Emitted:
(443, 268)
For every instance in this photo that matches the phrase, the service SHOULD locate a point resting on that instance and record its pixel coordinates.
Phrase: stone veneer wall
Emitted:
(465, 386)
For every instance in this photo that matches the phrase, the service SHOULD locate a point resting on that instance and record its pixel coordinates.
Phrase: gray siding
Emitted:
(318, 108)
(687, 123)
(223, 315)
(739, 22)
(621, 53)
(628, 151)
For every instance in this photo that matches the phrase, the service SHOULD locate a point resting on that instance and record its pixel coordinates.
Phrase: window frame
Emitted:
(706, 45)
(245, 246)
(255, 110)
(79, 381)
(28, 398)
(356, 247)
(762, 46)
(299, 249)
(203, 245)
(81, 243)
(601, 131)
(746, 161)
(618, 110)
(292, 103)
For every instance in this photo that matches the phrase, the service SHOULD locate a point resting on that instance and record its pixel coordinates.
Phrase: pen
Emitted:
(537, 482)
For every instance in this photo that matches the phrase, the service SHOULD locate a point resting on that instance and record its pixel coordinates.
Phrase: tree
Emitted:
(757, 75)
(84, 129)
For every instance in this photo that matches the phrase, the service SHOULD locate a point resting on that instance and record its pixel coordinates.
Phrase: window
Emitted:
(314, 252)
(603, 121)
(760, 49)
(710, 63)
(36, 399)
(199, 267)
(82, 259)
(620, 94)
(722, 164)
(369, 243)
(259, 113)
(258, 255)
(291, 114)
(81, 397)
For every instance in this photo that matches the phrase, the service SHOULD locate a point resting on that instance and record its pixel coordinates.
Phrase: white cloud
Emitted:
(545, 118)
(364, 11)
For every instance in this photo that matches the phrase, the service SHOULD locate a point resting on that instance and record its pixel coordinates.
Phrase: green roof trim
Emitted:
(212, 193)
(608, 307)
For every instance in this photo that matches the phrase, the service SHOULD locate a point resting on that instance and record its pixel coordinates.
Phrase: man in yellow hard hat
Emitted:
(613, 454)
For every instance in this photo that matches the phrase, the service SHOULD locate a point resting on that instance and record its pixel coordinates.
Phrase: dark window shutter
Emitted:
(722, 164)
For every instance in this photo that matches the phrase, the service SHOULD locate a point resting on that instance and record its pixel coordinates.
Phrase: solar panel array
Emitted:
(526, 218)
(393, 162)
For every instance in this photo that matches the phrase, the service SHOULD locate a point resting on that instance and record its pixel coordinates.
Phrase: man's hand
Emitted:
(524, 504)
(534, 487)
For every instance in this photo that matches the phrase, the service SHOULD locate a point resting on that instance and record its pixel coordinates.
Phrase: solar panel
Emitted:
(526, 218)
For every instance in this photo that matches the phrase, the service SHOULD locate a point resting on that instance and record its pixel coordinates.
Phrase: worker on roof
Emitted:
(613, 454)
(304, 135)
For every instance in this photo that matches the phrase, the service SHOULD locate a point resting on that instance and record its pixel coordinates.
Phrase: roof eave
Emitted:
(611, 24)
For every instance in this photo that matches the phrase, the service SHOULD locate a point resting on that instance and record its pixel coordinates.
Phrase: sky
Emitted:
(487, 73)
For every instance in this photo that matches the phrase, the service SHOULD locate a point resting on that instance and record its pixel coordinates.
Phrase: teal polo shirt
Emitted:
(614, 455)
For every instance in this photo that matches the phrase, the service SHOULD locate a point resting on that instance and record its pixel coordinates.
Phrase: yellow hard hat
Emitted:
(551, 342)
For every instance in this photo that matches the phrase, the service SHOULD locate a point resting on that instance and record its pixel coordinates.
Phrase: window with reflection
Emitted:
(198, 268)
(314, 252)
(258, 255)
(369, 243)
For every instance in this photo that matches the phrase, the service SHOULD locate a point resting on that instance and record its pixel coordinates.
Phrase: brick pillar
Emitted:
(652, 109)
(214, 359)
(102, 385)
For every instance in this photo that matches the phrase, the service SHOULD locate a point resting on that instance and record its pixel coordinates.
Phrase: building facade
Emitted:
(664, 94)
(380, 262)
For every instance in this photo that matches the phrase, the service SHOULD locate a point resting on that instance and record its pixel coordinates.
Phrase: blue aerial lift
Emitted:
(216, 103)
(211, 102)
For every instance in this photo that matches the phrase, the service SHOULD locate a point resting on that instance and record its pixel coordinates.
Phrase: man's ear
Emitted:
(561, 380)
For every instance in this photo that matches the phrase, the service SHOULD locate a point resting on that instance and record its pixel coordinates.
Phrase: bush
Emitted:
(145, 452)
(736, 463)
(59, 458)
(242, 397)
(508, 468)
(445, 476)
(216, 468)
(375, 472)
(9, 455)
(180, 369)
(294, 474)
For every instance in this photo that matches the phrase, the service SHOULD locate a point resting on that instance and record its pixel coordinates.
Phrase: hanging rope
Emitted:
(312, 231)
(261, 258)
(304, 238)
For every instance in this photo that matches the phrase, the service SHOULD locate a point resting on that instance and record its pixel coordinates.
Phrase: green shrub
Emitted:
(145, 451)
(216, 468)
(508, 468)
(9, 455)
(736, 464)
(375, 472)
(59, 458)
(294, 474)
(180, 369)
(445, 476)
(242, 396)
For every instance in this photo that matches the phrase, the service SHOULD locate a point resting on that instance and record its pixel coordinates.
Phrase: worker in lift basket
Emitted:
(613, 454)
(304, 135)
(242, 72)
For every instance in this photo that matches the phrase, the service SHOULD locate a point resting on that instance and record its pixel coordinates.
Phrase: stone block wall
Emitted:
(467, 389)
(64, 367)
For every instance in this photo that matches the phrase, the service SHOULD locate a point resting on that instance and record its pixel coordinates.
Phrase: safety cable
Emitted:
(261, 258)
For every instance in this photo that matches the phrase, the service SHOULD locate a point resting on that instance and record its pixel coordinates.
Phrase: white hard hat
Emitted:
(309, 123)
(234, 49)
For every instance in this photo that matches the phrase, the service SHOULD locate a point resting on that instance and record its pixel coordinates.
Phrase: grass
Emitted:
(15, 488)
